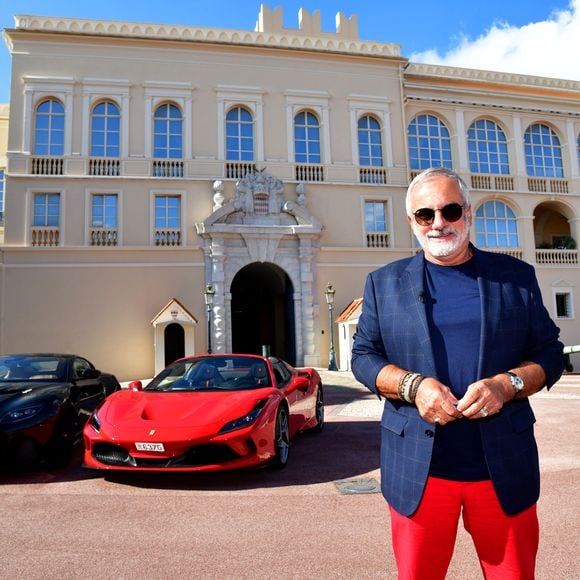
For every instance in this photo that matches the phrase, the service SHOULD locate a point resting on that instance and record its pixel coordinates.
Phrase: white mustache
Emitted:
(440, 233)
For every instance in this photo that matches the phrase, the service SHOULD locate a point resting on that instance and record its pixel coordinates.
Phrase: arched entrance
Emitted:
(174, 342)
(263, 311)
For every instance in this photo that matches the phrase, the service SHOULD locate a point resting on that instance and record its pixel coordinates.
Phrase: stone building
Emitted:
(169, 189)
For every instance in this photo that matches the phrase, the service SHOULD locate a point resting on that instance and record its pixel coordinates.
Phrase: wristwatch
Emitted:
(517, 382)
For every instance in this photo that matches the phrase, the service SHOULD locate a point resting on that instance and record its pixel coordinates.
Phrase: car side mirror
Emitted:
(136, 386)
(302, 383)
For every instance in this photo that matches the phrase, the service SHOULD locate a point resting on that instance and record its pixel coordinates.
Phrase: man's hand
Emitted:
(436, 403)
(486, 397)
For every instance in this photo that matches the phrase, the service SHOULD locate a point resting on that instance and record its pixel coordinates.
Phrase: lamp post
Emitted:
(329, 293)
(208, 294)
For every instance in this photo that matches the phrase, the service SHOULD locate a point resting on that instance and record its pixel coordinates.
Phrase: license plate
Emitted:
(150, 447)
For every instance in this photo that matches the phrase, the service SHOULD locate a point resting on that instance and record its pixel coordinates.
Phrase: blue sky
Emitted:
(537, 37)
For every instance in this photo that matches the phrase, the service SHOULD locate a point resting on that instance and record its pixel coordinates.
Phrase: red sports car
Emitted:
(206, 413)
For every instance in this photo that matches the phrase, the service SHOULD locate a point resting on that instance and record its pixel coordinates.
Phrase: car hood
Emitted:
(138, 409)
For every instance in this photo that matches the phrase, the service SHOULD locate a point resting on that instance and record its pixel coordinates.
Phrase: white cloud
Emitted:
(550, 48)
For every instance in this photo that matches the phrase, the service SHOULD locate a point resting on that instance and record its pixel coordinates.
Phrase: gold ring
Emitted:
(484, 411)
(436, 419)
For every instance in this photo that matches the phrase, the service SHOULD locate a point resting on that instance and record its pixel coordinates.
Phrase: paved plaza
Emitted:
(322, 517)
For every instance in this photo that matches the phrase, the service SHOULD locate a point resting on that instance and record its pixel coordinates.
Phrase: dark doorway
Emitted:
(263, 312)
(174, 342)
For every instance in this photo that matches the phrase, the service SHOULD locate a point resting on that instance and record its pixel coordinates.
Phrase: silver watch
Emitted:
(517, 381)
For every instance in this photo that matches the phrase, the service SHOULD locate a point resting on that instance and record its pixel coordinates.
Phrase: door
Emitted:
(263, 312)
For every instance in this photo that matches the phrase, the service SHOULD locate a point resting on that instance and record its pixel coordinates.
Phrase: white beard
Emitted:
(439, 249)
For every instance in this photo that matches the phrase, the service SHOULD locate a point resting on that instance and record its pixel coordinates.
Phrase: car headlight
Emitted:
(95, 422)
(21, 414)
(245, 420)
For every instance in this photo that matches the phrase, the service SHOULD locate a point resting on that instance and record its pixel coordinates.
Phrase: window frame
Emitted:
(319, 103)
(480, 145)
(378, 131)
(54, 148)
(509, 218)
(239, 124)
(168, 192)
(568, 293)
(46, 214)
(308, 141)
(105, 196)
(387, 202)
(535, 153)
(106, 131)
(418, 162)
(167, 134)
(89, 192)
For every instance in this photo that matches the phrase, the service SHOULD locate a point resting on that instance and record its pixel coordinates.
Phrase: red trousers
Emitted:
(424, 543)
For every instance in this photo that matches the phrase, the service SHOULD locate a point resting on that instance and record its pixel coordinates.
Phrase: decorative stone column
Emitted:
(526, 237)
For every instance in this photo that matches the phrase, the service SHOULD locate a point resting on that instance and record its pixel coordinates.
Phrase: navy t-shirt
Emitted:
(453, 307)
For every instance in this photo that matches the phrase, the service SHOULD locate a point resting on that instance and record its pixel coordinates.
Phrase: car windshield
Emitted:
(231, 373)
(31, 368)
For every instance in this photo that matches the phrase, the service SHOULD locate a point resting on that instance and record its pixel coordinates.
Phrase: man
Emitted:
(456, 340)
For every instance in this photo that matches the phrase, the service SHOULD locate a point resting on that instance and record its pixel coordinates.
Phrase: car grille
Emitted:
(198, 456)
(112, 455)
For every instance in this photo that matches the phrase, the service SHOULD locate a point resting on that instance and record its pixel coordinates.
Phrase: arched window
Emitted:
(105, 130)
(49, 128)
(239, 135)
(306, 138)
(370, 146)
(495, 225)
(543, 152)
(429, 143)
(168, 132)
(487, 146)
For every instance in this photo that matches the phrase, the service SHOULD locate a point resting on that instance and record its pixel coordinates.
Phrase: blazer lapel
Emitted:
(413, 286)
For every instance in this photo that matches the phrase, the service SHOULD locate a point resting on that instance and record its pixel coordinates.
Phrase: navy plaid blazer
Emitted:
(516, 326)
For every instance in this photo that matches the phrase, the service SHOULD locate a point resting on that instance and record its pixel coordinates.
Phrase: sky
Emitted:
(533, 37)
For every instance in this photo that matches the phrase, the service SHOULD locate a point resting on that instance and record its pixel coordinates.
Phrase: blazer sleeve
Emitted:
(543, 346)
(368, 351)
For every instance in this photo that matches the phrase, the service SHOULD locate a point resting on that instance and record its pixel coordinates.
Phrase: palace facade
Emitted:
(170, 189)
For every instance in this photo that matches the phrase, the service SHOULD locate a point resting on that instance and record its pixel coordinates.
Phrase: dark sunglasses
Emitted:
(451, 213)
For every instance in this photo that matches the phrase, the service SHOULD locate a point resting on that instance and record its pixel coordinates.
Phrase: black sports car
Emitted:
(45, 400)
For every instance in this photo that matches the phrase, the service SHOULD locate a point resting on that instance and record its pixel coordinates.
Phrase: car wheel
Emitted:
(319, 410)
(59, 451)
(281, 439)
(24, 453)
(60, 447)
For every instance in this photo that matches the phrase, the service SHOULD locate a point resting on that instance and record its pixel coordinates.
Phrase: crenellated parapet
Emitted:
(308, 24)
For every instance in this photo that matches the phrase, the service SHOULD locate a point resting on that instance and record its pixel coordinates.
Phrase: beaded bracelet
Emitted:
(409, 385)
(417, 379)
(404, 386)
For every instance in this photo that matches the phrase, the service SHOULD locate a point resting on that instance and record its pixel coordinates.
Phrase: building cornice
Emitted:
(288, 39)
(523, 106)
(490, 77)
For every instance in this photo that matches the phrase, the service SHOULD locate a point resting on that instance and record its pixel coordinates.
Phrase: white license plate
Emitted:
(150, 447)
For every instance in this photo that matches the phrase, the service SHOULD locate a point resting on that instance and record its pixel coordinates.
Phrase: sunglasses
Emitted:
(451, 213)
